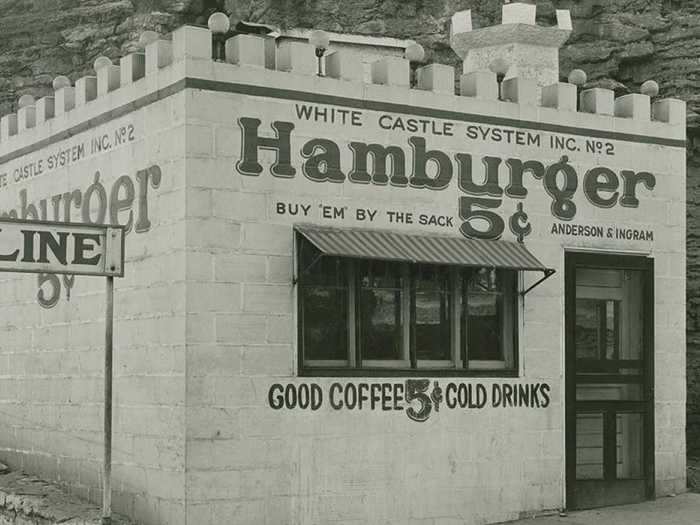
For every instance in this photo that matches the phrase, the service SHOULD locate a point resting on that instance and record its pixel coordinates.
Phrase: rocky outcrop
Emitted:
(619, 44)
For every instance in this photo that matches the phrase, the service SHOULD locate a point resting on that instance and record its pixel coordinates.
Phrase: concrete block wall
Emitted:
(51, 357)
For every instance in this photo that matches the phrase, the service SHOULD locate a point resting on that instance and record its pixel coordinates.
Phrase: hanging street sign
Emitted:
(60, 247)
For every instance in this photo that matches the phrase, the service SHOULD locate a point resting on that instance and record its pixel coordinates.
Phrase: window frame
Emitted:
(355, 366)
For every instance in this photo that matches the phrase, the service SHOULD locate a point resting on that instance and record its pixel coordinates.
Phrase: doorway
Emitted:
(609, 380)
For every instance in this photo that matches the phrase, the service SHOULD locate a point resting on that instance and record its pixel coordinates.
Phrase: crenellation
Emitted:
(108, 79)
(64, 100)
(246, 50)
(85, 90)
(562, 96)
(634, 105)
(598, 100)
(45, 109)
(132, 68)
(670, 110)
(26, 118)
(344, 67)
(564, 20)
(391, 71)
(519, 13)
(191, 42)
(158, 55)
(479, 84)
(438, 78)
(297, 57)
(8, 126)
(461, 22)
(520, 90)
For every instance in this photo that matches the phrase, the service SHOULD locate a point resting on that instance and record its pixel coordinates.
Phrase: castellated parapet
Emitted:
(531, 81)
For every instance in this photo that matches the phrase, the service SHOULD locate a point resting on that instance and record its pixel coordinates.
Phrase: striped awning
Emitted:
(419, 248)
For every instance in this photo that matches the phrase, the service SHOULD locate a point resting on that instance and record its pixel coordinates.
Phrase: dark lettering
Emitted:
(631, 180)
(495, 224)
(517, 169)
(82, 245)
(152, 174)
(325, 165)
(274, 396)
(490, 185)
(599, 180)
(118, 203)
(362, 151)
(251, 142)
(58, 247)
(421, 157)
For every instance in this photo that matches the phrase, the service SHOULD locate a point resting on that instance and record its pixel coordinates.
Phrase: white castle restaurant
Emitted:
(350, 294)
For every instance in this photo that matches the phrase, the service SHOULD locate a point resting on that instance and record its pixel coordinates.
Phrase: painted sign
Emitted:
(433, 155)
(63, 248)
(417, 397)
(125, 202)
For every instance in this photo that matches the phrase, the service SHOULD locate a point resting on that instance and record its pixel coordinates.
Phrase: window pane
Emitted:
(324, 304)
(325, 318)
(432, 313)
(483, 327)
(381, 310)
(489, 316)
(483, 311)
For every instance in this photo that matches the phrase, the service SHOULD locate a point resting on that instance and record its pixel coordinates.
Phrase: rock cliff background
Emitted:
(619, 43)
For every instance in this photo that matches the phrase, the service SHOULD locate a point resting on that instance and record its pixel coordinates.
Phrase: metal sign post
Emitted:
(77, 249)
(107, 466)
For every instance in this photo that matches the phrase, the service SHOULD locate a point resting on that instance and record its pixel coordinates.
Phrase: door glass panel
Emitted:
(589, 446)
(609, 334)
(608, 392)
(629, 446)
(597, 324)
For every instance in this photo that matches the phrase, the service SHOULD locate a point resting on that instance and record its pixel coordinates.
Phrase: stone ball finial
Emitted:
(25, 100)
(147, 37)
(219, 23)
(60, 82)
(101, 62)
(578, 77)
(319, 39)
(414, 52)
(649, 88)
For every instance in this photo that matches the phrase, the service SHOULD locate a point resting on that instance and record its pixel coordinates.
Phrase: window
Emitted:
(367, 315)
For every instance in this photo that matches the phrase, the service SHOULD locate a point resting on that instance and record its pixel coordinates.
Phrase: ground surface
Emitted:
(27, 500)
(679, 510)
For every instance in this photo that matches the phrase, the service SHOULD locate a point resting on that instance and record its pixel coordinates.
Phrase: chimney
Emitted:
(531, 51)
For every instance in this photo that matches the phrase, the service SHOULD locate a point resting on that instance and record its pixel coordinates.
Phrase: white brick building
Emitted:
(327, 315)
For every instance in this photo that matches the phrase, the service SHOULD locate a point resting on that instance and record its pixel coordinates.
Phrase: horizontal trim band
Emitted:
(318, 98)
(405, 109)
